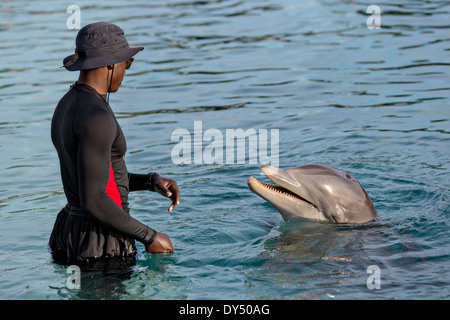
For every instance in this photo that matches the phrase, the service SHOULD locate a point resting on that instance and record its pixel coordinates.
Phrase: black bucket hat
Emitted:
(98, 45)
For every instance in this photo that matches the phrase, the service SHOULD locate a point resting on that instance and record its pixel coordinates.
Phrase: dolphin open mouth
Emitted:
(315, 192)
(259, 187)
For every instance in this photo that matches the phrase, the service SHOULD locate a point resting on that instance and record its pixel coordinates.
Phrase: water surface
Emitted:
(370, 102)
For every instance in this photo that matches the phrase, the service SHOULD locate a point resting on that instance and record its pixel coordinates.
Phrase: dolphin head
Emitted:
(316, 192)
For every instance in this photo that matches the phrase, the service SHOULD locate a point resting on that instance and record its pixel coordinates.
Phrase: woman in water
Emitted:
(95, 225)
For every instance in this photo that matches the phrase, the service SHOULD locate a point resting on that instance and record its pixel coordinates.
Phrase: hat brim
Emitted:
(87, 63)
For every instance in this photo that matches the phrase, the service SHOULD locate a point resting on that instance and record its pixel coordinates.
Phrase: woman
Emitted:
(95, 224)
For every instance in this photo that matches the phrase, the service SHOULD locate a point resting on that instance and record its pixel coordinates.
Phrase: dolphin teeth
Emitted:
(283, 191)
(280, 190)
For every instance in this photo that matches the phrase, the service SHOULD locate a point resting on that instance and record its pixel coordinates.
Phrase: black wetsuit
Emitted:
(91, 146)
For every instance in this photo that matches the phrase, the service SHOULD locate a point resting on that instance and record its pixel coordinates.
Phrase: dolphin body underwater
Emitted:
(317, 192)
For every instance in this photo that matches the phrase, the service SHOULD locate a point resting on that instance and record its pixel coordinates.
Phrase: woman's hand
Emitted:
(169, 189)
(161, 244)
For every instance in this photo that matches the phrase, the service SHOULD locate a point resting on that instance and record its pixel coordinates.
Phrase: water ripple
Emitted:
(372, 102)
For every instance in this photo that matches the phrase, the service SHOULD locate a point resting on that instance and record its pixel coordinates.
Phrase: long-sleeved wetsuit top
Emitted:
(91, 148)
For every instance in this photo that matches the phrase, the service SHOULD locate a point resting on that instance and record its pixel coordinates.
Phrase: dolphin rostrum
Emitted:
(316, 192)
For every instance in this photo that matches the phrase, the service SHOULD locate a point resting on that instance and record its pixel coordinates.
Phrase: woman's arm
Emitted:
(93, 163)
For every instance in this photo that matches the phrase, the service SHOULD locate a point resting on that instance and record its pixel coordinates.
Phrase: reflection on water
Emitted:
(312, 259)
(371, 102)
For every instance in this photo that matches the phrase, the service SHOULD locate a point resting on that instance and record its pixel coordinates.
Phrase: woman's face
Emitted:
(119, 72)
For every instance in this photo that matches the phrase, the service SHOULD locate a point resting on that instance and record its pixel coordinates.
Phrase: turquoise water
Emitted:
(374, 103)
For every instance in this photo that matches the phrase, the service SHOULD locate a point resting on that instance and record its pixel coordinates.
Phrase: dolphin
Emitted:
(317, 192)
